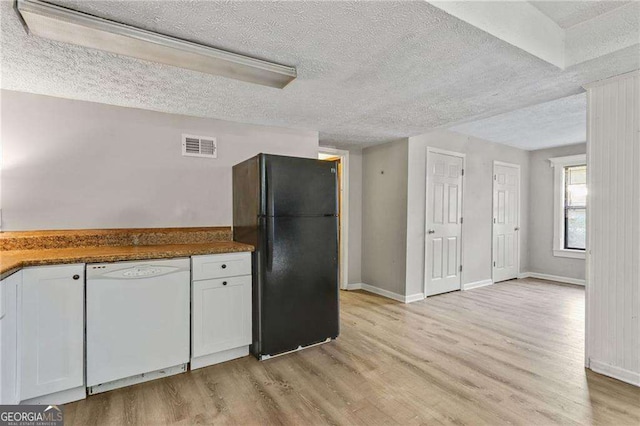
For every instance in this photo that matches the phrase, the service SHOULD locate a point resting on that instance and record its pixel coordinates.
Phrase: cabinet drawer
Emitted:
(220, 266)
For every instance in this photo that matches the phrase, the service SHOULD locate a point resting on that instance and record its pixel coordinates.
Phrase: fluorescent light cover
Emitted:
(70, 26)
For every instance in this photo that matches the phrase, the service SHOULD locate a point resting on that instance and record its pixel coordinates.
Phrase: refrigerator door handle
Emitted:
(269, 205)
(270, 236)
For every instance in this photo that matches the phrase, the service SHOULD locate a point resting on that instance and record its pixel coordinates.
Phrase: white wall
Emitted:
(477, 209)
(73, 164)
(384, 216)
(542, 215)
(613, 259)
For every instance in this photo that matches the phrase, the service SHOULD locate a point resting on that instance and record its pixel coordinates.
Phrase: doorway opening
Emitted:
(342, 157)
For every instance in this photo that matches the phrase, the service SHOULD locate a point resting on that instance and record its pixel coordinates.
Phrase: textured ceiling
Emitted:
(559, 122)
(368, 72)
(569, 13)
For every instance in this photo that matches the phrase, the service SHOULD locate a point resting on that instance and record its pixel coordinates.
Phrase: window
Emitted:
(570, 206)
(575, 207)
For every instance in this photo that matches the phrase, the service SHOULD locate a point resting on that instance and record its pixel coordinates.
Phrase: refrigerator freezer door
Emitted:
(299, 187)
(299, 284)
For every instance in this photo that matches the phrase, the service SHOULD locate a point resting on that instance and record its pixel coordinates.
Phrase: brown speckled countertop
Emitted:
(197, 241)
(26, 240)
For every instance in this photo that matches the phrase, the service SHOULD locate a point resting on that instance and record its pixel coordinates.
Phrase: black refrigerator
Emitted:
(287, 208)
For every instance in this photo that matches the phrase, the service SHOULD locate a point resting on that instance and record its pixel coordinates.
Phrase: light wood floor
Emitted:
(511, 353)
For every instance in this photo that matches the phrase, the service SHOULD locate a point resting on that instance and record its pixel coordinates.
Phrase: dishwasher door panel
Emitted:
(137, 323)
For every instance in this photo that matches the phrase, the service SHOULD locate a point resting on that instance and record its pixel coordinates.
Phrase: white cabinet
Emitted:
(8, 338)
(220, 308)
(51, 334)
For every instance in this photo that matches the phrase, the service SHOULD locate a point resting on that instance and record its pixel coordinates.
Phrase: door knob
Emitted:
(517, 228)
(431, 231)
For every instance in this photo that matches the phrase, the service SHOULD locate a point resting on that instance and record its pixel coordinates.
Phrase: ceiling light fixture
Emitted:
(70, 26)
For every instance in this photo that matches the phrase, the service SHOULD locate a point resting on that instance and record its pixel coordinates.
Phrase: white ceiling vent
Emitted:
(199, 146)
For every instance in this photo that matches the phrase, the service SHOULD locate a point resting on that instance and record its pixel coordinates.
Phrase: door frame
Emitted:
(493, 192)
(344, 212)
(433, 150)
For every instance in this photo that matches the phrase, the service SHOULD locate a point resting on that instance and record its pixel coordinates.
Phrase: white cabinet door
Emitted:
(221, 315)
(51, 330)
(8, 339)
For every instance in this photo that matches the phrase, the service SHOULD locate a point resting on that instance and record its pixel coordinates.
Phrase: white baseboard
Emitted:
(621, 374)
(382, 292)
(413, 297)
(548, 277)
(476, 284)
(386, 293)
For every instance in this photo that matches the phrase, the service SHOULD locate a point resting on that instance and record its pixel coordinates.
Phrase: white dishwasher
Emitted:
(137, 322)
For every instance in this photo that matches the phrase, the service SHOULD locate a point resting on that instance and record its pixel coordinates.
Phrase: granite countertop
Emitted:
(13, 260)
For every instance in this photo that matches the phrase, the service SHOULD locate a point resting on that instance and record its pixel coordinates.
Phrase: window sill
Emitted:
(573, 254)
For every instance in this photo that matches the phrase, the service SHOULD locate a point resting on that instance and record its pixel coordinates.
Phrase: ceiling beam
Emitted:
(516, 22)
(524, 26)
(604, 34)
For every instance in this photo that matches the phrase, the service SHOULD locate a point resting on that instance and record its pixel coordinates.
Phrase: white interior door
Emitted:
(443, 223)
(506, 221)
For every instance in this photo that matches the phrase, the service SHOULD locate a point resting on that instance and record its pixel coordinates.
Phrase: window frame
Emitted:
(559, 164)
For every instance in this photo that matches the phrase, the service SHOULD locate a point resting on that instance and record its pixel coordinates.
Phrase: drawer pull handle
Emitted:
(224, 283)
(224, 266)
(76, 277)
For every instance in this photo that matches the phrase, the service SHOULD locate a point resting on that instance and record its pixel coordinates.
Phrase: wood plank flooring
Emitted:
(511, 353)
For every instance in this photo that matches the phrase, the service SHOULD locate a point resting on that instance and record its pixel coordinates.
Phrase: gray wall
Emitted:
(541, 258)
(384, 217)
(74, 164)
(355, 216)
(477, 209)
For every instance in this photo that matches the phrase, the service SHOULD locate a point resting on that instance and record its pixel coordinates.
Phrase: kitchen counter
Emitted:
(13, 260)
